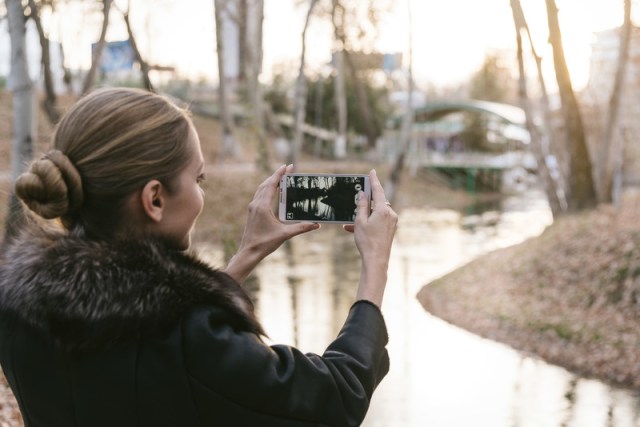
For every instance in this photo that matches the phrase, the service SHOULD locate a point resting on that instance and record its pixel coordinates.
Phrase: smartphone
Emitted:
(328, 198)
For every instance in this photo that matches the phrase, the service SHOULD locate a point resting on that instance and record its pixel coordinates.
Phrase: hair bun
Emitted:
(52, 187)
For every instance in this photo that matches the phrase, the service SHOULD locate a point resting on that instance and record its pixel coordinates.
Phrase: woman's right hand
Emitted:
(263, 233)
(374, 231)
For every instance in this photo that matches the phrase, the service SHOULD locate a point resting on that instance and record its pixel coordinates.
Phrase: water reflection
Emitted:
(440, 375)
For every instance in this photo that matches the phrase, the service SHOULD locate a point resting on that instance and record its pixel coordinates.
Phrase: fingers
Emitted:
(348, 227)
(301, 228)
(362, 207)
(377, 192)
(273, 181)
(269, 186)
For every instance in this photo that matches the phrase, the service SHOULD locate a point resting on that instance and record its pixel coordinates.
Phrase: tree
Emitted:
(97, 54)
(549, 141)
(341, 105)
(323, 106)
(22, 89)
(299, 108)
(581, 191)
(50, 103)
(550, 185)
(144, 67)
(339, 19)
(247, 16)
(611, 147)
(222, 13)
(253, 63)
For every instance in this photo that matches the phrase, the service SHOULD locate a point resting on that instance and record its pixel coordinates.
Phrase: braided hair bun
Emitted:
(52, 187)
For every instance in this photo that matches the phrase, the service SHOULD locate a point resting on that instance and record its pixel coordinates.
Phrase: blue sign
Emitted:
(116, 56)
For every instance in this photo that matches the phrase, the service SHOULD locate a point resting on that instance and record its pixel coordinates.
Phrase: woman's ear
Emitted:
(152, 199)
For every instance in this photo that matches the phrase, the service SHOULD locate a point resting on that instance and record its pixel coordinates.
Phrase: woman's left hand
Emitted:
(264, 233)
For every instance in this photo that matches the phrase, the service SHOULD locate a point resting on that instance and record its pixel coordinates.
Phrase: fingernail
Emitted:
(360, 195)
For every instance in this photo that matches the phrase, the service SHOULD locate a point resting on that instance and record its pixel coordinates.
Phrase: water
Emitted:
(441, 376)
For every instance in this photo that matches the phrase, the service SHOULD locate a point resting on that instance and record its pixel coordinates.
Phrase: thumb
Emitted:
(302, 227)
(362, 206)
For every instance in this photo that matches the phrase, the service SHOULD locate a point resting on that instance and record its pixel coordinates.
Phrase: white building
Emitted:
(595, 97)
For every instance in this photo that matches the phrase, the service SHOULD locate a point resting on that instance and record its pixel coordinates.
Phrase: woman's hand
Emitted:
(374, 233)
(264, 233)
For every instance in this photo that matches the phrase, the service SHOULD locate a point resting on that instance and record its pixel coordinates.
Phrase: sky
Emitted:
(452, 37)
(450, 41)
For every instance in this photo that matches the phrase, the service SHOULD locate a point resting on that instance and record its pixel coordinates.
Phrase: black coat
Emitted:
(130, 334)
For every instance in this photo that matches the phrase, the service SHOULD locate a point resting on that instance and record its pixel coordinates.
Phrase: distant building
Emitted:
(595, 97)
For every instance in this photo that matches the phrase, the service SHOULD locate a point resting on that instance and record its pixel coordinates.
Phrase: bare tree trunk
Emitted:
(319, 99)
(95, 63)
(300, 94)
(407, 123)
(144, 67)
(242, 18)
(611, 142)
(49, 104)
(551, 145)
(255, 18)
(67, 77)
(536, 143)
(338, 21)
(23, 114)
(226, 120)
(340, 145)
(581, 188)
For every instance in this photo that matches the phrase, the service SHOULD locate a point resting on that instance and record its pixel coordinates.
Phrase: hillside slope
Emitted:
(571, 295)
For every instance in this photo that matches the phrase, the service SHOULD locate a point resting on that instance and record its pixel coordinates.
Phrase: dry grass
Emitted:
(571, 296)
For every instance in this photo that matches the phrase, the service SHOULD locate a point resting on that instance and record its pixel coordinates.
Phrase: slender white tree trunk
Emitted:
(21, 87)
(255, 19)
(226, 120)
(536, 139)
(340, 146)
(549, 145)
(337, 18)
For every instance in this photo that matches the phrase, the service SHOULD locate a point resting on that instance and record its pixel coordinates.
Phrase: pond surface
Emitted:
(441, 376)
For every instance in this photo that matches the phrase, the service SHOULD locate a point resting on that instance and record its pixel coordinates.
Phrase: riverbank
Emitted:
(570, 296)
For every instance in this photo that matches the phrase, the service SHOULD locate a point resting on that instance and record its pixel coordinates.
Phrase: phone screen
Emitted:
(321, 197)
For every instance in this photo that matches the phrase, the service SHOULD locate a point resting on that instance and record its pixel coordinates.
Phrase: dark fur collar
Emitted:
(90, 294)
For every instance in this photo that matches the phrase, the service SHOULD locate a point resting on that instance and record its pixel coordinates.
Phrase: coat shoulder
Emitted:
(89, 294)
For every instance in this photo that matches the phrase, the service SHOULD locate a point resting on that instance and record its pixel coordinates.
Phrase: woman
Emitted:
(105, 320)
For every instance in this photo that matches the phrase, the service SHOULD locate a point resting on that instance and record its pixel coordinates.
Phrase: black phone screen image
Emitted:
(322, 198)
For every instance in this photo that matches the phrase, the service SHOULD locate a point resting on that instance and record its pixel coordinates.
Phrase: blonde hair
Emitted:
(107, 146)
